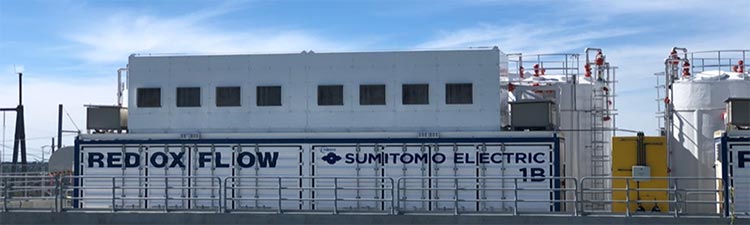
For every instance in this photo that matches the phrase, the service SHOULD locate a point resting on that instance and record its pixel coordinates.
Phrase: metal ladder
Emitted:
(600, 140)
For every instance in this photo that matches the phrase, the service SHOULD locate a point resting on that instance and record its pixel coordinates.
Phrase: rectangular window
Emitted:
(268, 95)
(415, 94)
(372, 94)
(189, 97)
(331, 95)
(148, 97)
(458, 94)
(228, 96)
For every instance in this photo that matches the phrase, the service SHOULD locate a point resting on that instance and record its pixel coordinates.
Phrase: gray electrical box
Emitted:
(110, 118)
(533, 115)
(738, 113)
(641, 173)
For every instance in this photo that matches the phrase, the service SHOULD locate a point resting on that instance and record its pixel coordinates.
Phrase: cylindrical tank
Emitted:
(697, 114)
(583, 105)
(698, 83)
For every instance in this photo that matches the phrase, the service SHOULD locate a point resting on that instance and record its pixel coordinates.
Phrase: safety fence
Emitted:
(368, 195)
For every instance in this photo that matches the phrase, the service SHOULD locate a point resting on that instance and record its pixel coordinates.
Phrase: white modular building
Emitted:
(345, 126)
(316, 92)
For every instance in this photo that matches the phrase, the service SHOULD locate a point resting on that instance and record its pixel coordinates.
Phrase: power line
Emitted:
(38, 138)
(71, 119)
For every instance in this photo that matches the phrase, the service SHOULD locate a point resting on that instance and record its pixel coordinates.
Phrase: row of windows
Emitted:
(328, 95)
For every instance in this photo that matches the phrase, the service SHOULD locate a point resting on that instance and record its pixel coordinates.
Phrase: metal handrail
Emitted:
(673, 191)
(118, 192)
(699, 59)
(391, 195)
(401, 183)
(20, 189)
(386, 185)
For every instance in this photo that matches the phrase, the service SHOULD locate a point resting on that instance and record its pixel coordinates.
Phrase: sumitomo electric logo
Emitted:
(438, 158)
(331, 158)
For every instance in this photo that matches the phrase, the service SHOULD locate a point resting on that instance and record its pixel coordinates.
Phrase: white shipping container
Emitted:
(365, 170)
(733, 149)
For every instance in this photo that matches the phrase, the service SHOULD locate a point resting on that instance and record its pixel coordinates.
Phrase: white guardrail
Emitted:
(362, 195)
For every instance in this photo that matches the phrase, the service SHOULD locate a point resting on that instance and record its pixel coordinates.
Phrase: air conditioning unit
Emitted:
(533, 115)
(738, 113)
(106, 118)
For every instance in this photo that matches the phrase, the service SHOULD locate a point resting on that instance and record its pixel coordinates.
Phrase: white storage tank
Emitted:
(584, 103)
(697, 111)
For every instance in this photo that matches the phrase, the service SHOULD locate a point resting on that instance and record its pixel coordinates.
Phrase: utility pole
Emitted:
(19, 139)
(59, 125)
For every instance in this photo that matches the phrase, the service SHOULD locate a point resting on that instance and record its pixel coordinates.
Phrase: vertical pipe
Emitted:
(120, 85)
(59, 125)
(20, 89)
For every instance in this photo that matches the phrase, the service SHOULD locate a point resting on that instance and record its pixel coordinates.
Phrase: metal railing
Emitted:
(305, 194)
(141, 193)
(497, 195)
(29, 192)
(678, 198)
(662, 196)
(718, 60)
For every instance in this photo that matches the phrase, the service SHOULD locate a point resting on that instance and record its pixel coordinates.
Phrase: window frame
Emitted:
(239, 96)
(457, 97)
(370, 102)
(404, 93)
(177, 97)
(320, 98)
(258, 96)
(139, 97)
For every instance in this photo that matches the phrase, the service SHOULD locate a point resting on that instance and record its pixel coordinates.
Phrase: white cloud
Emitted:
(113, 38)
(524, 37)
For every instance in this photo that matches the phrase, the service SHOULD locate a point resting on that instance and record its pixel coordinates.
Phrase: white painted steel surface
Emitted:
(576, 126)
(300, 74)
(735, 168)
(439, 158)
(698, 108)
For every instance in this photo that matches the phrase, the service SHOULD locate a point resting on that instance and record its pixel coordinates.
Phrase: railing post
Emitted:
(515, 196)
(60, 193)
(335, 195)
(56, 194)
(113, 194)
(676, 212)
(5, 194)
(627, 197)
(226, 193)
(220, 195)
(166, 194)
(394, 211)
(579, 196)
(280, 193)
(575, 196)
(455, 196)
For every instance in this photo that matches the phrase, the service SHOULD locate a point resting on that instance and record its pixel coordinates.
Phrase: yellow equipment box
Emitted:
(648, 163)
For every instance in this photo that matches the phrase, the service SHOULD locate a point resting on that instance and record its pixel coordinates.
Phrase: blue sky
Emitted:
(70, 50)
